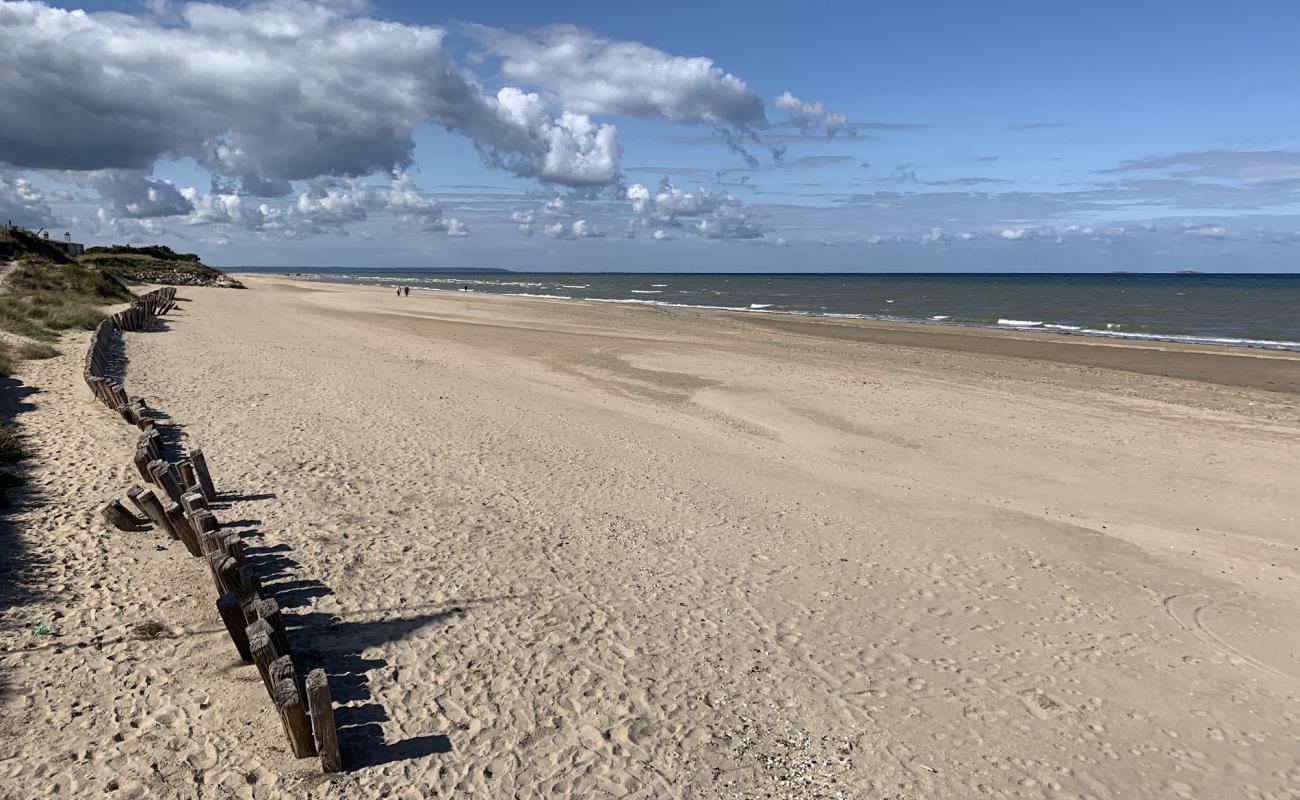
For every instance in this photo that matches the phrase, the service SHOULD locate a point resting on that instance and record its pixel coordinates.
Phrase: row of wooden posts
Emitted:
(181, 508)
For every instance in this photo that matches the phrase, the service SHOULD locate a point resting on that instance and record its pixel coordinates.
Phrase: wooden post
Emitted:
(184, 531)
(233, 617)
(323, 730)
(288, 704)
(162, 475)
(211, 543)
(213, 560)
(205, 522)
(119, 517)
(193, 502)
(149, 504)
(269, 610)
(142, 459)
(248, 579)
(233, 546)
(154, 440)
(262, 649)
(249, 605)
(200, 463)
(228, 573)
(188, 477)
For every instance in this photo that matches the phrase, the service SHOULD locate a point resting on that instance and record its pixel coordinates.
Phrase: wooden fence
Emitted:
(181, 508)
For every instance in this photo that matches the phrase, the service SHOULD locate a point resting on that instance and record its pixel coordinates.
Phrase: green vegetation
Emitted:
(41, 299)
(16, 243)
(11, 452)
(147, 264)
(36, 350)
(6, 359)
(160, 252)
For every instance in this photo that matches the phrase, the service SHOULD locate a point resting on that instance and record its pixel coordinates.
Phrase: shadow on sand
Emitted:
(320, 640)
(25, 571)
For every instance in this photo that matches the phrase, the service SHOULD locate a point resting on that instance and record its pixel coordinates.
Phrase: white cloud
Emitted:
(713, 215)
(327, 206)
(578, 229)
(1016, 234)
(661, 235)
(1197, 231)
(812, 116)
(582, 229)
(590, 74)
(22, 203)
(268, 92)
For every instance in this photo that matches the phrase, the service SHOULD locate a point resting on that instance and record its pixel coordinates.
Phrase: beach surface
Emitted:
(553, 548)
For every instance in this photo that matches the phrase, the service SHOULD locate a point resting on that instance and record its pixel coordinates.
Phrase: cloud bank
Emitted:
(274, 91)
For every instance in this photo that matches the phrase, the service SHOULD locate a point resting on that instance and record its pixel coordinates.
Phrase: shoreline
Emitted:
(1036, 327)
(1269, 370)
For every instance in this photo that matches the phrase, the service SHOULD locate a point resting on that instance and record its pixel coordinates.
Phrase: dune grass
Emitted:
(42, 299)
(36, 350)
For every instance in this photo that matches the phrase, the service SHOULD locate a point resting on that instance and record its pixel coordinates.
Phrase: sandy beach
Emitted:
(555, 548)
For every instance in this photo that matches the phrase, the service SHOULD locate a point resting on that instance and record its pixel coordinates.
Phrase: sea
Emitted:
(1259, 311)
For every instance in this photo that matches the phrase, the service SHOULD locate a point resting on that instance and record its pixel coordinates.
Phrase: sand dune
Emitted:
(549, 548)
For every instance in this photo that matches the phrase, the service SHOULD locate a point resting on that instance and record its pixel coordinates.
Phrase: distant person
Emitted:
(399, 291)
(407, 290)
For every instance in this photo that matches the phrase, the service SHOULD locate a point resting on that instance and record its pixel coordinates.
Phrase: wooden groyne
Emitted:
(175, 498)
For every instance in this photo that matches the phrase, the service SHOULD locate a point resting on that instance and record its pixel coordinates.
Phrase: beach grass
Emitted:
(43, 299)
(36, 351)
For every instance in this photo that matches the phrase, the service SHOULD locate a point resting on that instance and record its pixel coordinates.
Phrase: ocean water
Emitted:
(1260, 311)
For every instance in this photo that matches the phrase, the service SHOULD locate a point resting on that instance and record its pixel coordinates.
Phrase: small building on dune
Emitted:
(68, 246)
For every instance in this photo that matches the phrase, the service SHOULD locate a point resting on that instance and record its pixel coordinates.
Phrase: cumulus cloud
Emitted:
(578, 229)
(22, 203)
(269, 92)
(712, 215)
(590, 74)
(134, 193)
(1016, 234)
(811, 116)
(326, 206)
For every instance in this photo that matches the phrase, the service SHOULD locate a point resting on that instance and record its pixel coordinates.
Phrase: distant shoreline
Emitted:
(1252, 368)
(955, 273)
(1037, 325)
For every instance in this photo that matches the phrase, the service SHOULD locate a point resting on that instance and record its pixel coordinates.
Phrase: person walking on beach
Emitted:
(399, 291)
(407, 290)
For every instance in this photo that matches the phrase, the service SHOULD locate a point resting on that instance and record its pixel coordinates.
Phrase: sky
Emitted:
(722, 136)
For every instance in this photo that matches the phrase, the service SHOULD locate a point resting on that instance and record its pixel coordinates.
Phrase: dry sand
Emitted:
(550, 548)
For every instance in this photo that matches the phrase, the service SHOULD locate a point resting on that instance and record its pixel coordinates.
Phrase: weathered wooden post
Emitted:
(323, 729)
(162, 475)
(233, 618)
(269, 611)
(262, 648)
(200, 463)
(188, 478)
(142, 459)
(184, 531)
(119, 517)
(293, 715)
(151, 507)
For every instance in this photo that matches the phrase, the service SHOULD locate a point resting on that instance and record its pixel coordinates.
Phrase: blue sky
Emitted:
(914, 136)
